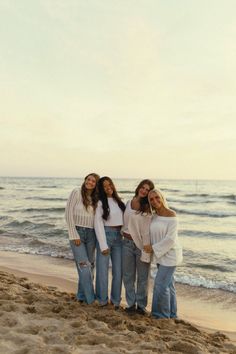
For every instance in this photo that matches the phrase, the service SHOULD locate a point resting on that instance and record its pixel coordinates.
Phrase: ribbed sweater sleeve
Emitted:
(69, 214)
(99, 227)
(162, 247)
(146, 221)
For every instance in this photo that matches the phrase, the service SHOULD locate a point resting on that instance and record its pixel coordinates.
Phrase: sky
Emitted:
(125, 88)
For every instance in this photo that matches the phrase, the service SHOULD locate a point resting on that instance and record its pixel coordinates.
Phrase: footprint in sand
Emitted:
(9, 322)
(31, 309)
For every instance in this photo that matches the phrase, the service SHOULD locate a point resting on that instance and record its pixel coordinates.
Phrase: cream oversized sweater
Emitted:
(164, 238)
(138, 227)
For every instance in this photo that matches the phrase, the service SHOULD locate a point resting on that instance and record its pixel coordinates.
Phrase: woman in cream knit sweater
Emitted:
(80, 211)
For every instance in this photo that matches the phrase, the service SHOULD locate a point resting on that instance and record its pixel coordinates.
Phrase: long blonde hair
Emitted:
(162, 197)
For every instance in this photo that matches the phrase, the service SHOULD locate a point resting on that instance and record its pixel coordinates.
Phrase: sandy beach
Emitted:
(39, 314)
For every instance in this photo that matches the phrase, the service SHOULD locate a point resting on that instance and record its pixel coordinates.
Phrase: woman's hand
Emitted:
(77, 242)
(106, 252)
(147, 248)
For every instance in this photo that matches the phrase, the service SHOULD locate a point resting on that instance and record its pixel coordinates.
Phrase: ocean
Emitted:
(32, 221)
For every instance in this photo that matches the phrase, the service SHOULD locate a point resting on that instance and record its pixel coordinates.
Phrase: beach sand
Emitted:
(39, 314)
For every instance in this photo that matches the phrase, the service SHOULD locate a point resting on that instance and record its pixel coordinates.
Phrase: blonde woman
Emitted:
(167, 254)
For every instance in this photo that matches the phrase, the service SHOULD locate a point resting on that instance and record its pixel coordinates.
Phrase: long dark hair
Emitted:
(103, 197)
(94, 195)
(144, 204)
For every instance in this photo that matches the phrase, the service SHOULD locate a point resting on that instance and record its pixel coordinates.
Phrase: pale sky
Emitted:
(126, 88)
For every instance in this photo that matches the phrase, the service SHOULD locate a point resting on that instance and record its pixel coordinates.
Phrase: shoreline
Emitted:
(208, 309)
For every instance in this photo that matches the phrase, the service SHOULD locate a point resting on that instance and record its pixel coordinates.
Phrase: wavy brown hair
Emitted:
(144, 203)
(94, 194)
(103, 197)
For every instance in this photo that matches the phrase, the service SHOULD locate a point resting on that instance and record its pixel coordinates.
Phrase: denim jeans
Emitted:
(84, 256)
(164, 297)
(131, 266)
(102, 269)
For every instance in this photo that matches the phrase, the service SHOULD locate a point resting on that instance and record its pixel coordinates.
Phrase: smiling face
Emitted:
(155, 200)
(108, 188)
(143, 191)
(90, 183)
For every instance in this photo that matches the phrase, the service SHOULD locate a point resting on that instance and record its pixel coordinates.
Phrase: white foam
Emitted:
(200, 281)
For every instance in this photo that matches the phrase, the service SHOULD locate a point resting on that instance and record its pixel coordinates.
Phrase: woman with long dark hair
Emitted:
(108, 222)
(135, 231)
(80, 211)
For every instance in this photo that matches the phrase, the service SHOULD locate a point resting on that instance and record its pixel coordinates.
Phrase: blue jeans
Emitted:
(84, 256)
(102, 267)
(164, 297)
(131, 265)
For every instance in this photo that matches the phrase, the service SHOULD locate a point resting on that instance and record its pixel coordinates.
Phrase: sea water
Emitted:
(32, 221)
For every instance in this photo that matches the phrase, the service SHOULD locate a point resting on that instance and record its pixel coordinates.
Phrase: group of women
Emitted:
(130, 236)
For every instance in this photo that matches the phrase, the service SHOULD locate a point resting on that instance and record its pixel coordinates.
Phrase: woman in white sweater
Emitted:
(167, 255)
(135, 233)
(80, 210)
(108, 222)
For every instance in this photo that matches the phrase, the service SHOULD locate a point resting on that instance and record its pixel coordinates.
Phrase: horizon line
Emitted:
(155, 178)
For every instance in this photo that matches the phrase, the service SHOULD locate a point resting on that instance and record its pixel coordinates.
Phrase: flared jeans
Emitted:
(164, 296)
(84, 256)
(136, 292)
(102, 269)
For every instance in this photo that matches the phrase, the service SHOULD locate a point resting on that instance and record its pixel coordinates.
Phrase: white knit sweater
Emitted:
(77, 215)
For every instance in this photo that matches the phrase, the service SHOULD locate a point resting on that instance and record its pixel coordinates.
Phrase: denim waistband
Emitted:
(84, 228)
(112, 228)
(128, 236)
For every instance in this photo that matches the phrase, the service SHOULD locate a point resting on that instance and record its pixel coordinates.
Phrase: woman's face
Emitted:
(108, 189)
(155, 200)
(143, 191)
(90, 183)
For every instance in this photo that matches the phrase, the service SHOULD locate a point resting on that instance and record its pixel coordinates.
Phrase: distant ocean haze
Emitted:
(32, 221)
